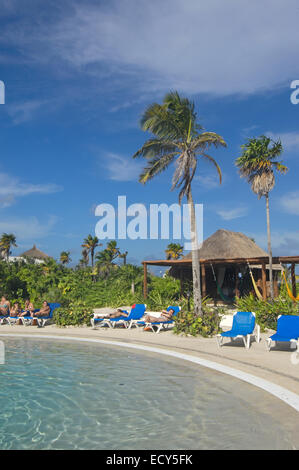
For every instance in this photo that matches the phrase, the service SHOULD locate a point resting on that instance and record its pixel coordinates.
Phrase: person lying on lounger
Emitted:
(166, 315)
(16, 310)
(44, 311)
(4, 306)
(118, 313)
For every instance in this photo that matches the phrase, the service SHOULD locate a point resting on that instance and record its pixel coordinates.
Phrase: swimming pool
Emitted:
(60, 395)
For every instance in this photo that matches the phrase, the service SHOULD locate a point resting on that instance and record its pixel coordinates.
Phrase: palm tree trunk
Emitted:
(269, 248)
(195, 258)
(133, 287)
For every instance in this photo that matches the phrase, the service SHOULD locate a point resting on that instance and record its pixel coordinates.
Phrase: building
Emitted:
(226, 259)
(34, 254)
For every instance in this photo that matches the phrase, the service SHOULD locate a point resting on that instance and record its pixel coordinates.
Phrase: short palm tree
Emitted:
(174, 251)
(106, 257)
(177, 136)
(91, 243)
(257, 164)
(131, 274)
(85, 258)
(123, 256)
(7, 241)
(65, 257)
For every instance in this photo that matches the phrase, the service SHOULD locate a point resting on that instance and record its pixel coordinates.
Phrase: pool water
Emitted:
(63, 395)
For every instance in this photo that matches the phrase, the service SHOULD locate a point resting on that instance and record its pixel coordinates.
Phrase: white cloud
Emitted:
(27, 228)
(207, 181)
(212, 47)
(289, 140)
(230, 214)
(290, 202)
(23, 112)
(121, 168)
(11, 188)
(284, 243)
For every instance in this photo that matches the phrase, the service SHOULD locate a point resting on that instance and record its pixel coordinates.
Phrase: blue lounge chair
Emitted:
(41, 321)
(287, 331)
(4, 319)
(158, 325)
(243, 327)
(137, 312)
(99, 320)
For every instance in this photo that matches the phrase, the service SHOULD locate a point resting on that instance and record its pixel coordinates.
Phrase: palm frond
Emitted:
(155, 166)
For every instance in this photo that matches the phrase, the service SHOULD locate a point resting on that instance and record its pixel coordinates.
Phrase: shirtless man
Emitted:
(43, 312)
(116, 314)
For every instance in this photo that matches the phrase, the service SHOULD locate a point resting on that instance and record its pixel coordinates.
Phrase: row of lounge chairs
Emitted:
(134, 318)
(244, 325)
(27, 320)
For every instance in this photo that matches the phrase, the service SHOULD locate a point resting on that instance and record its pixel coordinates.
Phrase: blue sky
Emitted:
(78, 77)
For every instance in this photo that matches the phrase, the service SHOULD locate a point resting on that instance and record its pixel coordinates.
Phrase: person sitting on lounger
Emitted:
(4, 306)
(16, 310)
(28, 309)
(166, 315)
(44, 311)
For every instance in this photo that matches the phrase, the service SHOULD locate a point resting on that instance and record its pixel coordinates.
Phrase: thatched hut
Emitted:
(226, 280)
(226, 259)
(36, 254)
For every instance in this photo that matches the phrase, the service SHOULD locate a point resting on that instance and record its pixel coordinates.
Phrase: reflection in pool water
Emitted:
(59, 395)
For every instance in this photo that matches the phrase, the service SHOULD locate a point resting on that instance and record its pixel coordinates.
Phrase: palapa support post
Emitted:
(203, 280)
(237, 292)
(144, 280)
(293, 276)
(264, 280)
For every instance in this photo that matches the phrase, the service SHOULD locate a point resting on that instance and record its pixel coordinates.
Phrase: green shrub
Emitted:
(267, 311)
(75, 315)
(189, 324)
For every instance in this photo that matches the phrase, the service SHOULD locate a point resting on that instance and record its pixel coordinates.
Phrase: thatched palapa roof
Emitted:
(34, 253)
(226, 244)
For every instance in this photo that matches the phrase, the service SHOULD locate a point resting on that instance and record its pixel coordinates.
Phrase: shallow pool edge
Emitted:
(283, 394)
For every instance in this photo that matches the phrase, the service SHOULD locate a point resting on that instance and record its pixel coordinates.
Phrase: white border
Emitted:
(290, 398)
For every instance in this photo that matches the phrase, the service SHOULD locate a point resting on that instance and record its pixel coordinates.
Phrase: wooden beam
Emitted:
(293, 276)
(264, 281)
(203, 280)
(144, 280)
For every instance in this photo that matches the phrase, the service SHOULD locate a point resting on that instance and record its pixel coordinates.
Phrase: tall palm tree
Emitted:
(257, 164)
(91, 243)
(7, 240)
(174, 251)
(65, 257)
(178, 136)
